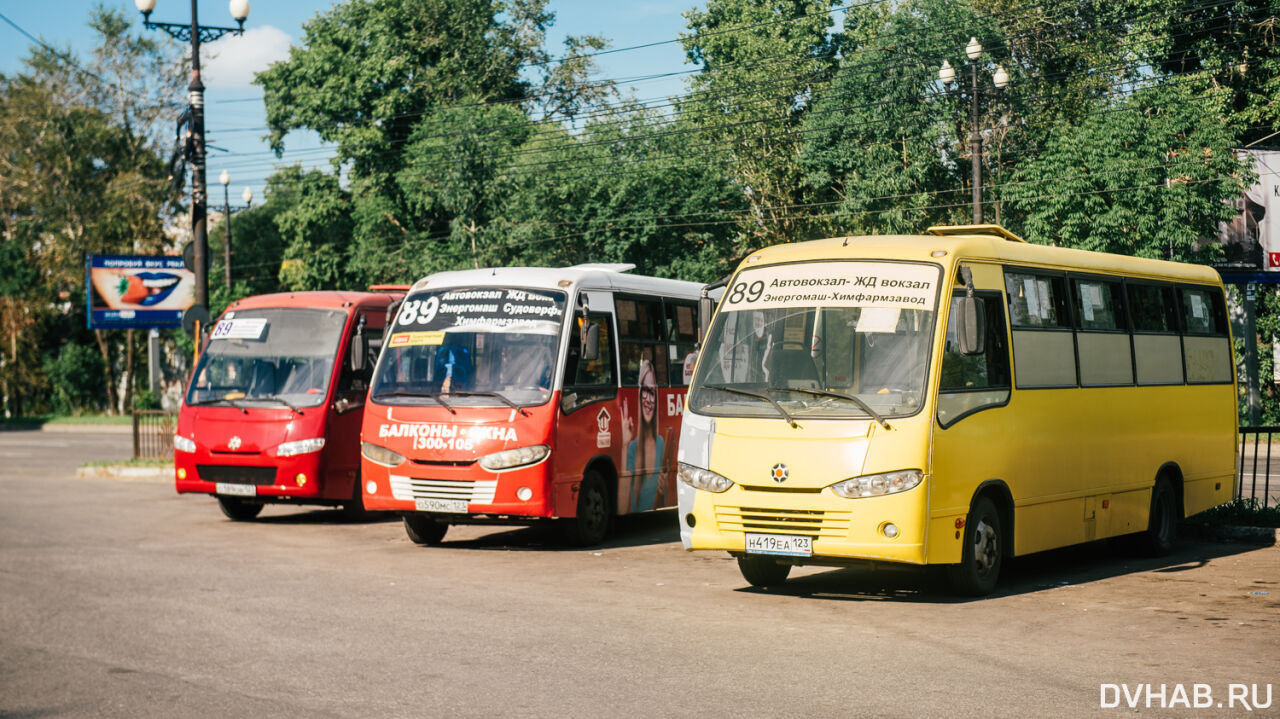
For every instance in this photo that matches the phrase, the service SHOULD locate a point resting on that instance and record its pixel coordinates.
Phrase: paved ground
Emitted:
(122, 599)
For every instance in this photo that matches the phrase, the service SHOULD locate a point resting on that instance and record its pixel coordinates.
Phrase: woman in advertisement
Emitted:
(645, 446)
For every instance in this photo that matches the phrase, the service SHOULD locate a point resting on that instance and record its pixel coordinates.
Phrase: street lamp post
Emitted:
(197, 33)
(1000, 79)
(247, 196)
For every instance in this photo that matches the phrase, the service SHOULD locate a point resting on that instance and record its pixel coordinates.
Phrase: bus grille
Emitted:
(807, 522)
(236, 474)
(411, 488)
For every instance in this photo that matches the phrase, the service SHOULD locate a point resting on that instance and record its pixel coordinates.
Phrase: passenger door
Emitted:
(588, 423)
(971, 441)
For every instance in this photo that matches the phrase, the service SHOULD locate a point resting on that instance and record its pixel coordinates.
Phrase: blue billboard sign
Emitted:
(125, 291)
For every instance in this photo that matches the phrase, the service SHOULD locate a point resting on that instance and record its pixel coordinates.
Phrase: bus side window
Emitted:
(589, 373)
(1205, 349)
(974, 382)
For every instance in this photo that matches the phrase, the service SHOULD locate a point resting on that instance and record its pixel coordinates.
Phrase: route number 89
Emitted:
(740, 291)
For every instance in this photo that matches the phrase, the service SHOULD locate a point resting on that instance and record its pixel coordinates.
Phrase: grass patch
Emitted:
(129, 463)
(43, 419)
(1241, 512)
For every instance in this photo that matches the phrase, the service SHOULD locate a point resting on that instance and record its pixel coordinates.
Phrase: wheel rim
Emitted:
(985, 548)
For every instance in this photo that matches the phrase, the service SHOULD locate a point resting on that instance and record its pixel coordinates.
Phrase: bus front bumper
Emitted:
(887, 528)
(268, 478)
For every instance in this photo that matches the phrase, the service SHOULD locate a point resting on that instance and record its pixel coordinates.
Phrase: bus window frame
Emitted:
(999, 296)
(1175, 332)
(1069, 309)
(1123, 314)
(574, 397)
(1218, 298)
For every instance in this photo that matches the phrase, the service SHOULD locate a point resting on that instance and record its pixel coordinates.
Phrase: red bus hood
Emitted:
(434, 433)
(224, 429)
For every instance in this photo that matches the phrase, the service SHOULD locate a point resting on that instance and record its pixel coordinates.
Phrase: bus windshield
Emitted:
(478, 346)
(828, 340)
(278, 355)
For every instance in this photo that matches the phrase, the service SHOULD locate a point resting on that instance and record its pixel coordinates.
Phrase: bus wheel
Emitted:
(1157, 541)
(354, 511)
(591, 525)
(424, 530)
(239, 510)
(979, 566)
(763, 571)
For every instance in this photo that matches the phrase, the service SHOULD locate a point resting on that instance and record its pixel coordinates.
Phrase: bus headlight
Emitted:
(182, 444)
(699, 478)
(875, 485)
(511, 458)
(380, 455)
(301, 446)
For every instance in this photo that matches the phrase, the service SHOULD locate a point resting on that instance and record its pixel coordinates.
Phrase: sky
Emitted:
(234, 116)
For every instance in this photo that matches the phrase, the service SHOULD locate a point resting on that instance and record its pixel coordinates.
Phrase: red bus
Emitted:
(273, 409)
(515, 395)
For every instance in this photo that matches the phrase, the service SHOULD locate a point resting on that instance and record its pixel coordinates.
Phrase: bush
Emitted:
(76, 375)
(1241, 512)
(145, 399)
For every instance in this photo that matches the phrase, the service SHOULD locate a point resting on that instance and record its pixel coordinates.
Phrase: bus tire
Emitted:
(1157, 541)
(353, 510)
(238, 510)
(979, 568)
(762, 571)
(424, 530)
(591, 525)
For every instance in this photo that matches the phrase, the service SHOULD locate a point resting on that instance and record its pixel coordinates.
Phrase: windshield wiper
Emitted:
(499, 395)
(838, 395)
(216, 400)
(281, 400)
(758, 395)
(428, 395)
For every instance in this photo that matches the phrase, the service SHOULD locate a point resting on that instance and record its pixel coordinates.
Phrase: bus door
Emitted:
(588, 422)
(973, 391)
(346, 411)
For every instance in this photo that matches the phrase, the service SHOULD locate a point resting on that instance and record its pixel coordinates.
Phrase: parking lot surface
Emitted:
(121, 598)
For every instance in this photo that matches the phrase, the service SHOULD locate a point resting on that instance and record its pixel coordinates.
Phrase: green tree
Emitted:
(761, 63)
(1149, 175)
(886, 143)
(83, 173)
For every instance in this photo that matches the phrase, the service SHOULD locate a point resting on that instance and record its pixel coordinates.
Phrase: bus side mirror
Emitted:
(705, 308)
(590, 349)
(971, 326)
(358, 352)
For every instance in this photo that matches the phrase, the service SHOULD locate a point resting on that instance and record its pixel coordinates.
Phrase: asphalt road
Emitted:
(121, 599)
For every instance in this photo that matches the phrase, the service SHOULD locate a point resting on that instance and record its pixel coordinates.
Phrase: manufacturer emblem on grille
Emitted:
(779, 472)
(234, 443)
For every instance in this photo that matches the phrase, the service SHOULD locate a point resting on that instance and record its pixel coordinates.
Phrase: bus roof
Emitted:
(593, 276)
(320, 299)
(979, 242)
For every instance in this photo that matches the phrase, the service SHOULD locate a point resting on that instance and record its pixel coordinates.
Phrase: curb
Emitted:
(87, 428)
(1227, 533)
(119, 471)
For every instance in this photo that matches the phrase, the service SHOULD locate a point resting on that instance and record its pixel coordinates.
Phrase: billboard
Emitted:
(1252, 239)
(126, 291)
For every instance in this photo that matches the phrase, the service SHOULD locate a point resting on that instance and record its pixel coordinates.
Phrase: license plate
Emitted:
(781, 544)
(238, 490)
(454, 506)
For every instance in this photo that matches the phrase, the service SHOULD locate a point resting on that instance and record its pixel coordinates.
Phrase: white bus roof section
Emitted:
(596, 277)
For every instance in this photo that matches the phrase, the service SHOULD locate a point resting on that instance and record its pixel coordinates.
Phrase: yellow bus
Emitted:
(954, 398)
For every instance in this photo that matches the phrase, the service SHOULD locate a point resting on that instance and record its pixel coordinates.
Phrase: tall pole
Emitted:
(199, 196)
(226, 245)
(975, 144)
